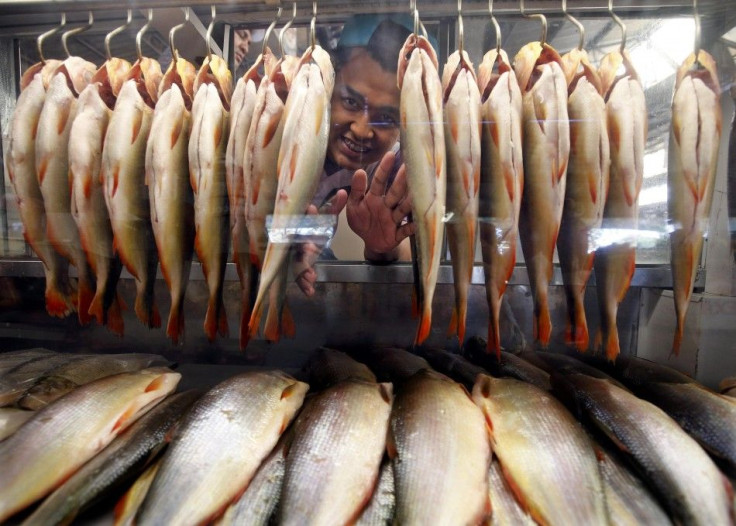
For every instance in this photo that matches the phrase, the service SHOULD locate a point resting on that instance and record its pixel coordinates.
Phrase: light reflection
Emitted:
(604, 237)
(653, 195)
(658, 56)
(655, 163)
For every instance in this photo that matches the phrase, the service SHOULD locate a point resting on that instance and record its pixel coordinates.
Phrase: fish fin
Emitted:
(288, 327)
(273, 125)
(494, 133)
(255, 189)
(255, 319)
(272, 327)
(244, 317)
(494, 338)
(625, 283)
(222, 326)
(85, 294)
(612, 344)
(114, 321)
(63, 116)
(87, 187)
(576, 335)
(123, 419)
(148, 315)
(519, 494)
(215, 320)
(452, 329)
(59, 304)
(391, 449)
(677, 340)
(542, 324)
(175, 326)
(292, 161)
(289, 390)
(218, 136)
(137, 125)
(176, 132)
(454, 126)
(96, 310)
(593, 187)
(115, 179)
(319, 110)
(425, 323)
(508, 177)
(42, 168)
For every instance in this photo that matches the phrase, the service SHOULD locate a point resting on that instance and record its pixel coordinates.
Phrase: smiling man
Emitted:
(363, 169)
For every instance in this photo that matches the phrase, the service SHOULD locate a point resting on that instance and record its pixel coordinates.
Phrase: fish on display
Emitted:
(123, 173)
(440, 451)
(260, 183)
(169, 191)
(88, 207)
(11, 418)
(12, 359)
(727, 386)
(506, 509)
(257, 505)
(58, 381)
(127, 507)
(16, 381)
(508, 365)
(462, 122)
(219, 446)
(306, 122)
(684, 477)
(501, 180)
(207, 144)
(52, 170)
(327, 367)
(552, 362)
(585, 191)
(21, 164)
(242, 103)
(710, 418)
(615, 258)
(546, 136)
(543, 452)
(333, 462)
(454, 366)
(120, 462)
(628, 500)
(693, 158)
(393, 364)
(731, 174)
(423, 148)
(62, 436)
(380, 509)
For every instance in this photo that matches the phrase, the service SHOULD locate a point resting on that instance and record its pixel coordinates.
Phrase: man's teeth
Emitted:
(355, 146)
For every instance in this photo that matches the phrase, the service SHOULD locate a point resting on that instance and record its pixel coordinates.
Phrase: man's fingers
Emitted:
(400, 212)
(405, 231)
(306, 280)
(335, 205)
(380, 177)
(397, 192)
(358, 187)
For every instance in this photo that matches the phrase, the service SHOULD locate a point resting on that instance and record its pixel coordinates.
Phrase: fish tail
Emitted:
(542, 324)
(255, 319)
(59, 304)
(215, 321)
(114, 321)
(679, 332)
(85, 296)
(424, 325)
(96, 310)
(612, 344)
(147, 311)
(494, 339)
(576, 332)
(272, 329)
(175, 325)
(414, 304)
(244, 317)
(452, 329)
(288, 327)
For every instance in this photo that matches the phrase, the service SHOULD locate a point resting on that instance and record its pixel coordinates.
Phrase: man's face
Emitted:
(241, 45)
(365, 112)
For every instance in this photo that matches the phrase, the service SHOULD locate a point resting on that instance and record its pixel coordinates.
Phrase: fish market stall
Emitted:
(567, 273)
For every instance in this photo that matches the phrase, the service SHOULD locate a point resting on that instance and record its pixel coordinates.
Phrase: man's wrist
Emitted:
(381, 257)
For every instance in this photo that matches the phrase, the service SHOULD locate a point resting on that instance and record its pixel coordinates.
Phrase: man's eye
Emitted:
(386, 119)
(350, 103)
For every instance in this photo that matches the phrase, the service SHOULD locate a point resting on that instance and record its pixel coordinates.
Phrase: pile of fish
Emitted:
(383, 436)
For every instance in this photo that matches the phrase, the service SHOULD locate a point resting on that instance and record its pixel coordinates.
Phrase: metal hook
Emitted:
(541, 18)
(115, 31)
(208, 36)
(76, 31)
(172, 32)
(268, 32)
(696, 47)
(44, 36)
(620, 23)
(495, 25)
(460, 28)
(313, 26)
(285, 28)
(139, 34)
(576, 22)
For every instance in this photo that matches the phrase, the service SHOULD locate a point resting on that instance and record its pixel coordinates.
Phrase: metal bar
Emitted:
(650, 276)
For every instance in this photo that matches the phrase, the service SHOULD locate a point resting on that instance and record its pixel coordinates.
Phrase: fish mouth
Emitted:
(354, 147)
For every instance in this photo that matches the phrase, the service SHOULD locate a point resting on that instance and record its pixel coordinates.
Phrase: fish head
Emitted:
(529, 59)
(615, 66)
(182, 73)
(214, 70)
(319, 56)
(79, 72)
(45, 69)
(110, 77)
(492, 67)
(576, 65)
(456, 63)
(146, 73)
(703, 68)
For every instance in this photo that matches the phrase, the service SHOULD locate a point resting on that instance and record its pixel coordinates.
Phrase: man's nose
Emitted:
(362, 127)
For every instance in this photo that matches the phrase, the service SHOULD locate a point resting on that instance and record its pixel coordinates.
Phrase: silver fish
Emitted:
(15, 382)
(129, 504)
(11, 419)
(334, 457)
(218, 448)
(11, 360)
(506, 509)
(327, 367)
(61, 437)
(380, 510)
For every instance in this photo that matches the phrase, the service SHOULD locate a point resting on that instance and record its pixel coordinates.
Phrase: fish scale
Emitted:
(334, 458)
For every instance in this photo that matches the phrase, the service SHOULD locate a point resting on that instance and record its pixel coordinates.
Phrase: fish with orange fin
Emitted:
(306, 122)
(693, 157)
(627, 134)
(586, 188)
(241, 114)
(207, 144)
(170, 194)
(546, 136)
(462, 143)
(260, 182)
(501, 181)
(21, 163)
(123, 174)
(88, 200)
(423, 147)
(52, 170)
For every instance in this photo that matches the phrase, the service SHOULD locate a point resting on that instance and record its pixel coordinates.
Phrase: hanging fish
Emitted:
(546, 136)
(21, 163)
(462, 142)
(123, 173)
(501, 181)
(88, 206)
(207, 143)
(52, 170)
(260, 182)
(306, 121)
(423, 147)
(693, 158)
(241, 114)
(586, 188)
(627, 132)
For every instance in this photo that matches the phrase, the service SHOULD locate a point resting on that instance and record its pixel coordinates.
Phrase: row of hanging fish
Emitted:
(383, 440)
(552, 149)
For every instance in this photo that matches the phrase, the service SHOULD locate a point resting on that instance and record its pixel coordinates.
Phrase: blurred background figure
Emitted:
(241, 44)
